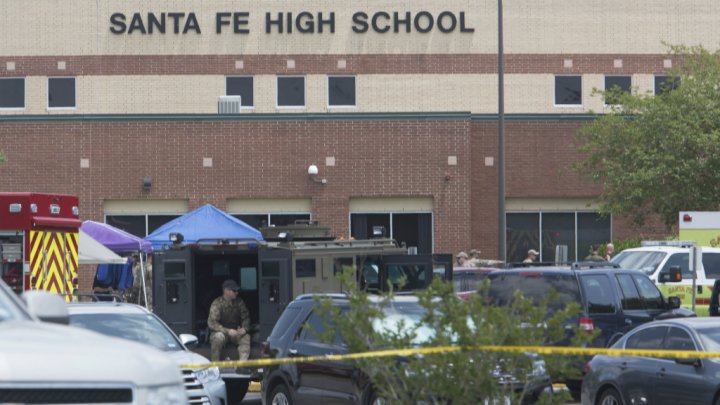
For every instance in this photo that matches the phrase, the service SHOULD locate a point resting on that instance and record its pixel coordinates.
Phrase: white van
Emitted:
(654, 260)
(49, 363)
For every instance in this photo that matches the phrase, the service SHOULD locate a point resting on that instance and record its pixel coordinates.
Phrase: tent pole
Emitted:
(142, 274)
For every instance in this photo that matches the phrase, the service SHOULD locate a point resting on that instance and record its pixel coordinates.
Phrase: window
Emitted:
(341, 91)
(291, 91)
(240, 86)
(576, 230)
(568, 90)
(282, 326)
(664, 84)
(139, 225)
(681, 260)
(257, 221)
(599, 296)
(711, 264)
(678, 339)
(631, 297)
(248, 278)
(649, 338)
(314, 328)
(61, 92)
(305, 268)
(614, 84)
(12, 92)
(414, 230)
(649, 293)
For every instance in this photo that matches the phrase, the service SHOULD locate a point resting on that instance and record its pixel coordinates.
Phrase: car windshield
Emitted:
(638, 260)
(534, 285)
(710, 337)
(404, 317)
(142, 328)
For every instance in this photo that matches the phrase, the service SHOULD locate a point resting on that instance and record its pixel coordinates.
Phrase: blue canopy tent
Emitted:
(206, 222)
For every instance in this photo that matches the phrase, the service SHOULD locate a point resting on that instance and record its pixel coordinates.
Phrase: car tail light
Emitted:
(587, 324)
(264, 348)
(587, 368)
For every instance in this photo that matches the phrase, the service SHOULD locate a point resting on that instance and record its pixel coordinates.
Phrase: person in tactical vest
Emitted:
(229, 321)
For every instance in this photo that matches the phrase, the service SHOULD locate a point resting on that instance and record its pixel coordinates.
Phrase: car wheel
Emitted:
(280, 396)
(236, 390)
(610, 397)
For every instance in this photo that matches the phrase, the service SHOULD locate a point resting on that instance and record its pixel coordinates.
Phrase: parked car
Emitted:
(611, 299)
(135, 323)
(50, 363)
(297, 334)
(656, 260)
(650, 380)
(467, 280)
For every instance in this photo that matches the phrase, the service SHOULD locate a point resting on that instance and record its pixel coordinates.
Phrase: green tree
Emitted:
(660, 154)
(462, 377)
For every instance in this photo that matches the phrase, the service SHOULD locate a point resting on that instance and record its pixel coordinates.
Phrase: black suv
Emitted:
(613, 300)
(297, 333)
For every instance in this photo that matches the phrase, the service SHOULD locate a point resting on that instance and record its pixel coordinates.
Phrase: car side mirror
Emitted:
(673, 275)
(673, 302)
(46, 306)
(189, 340)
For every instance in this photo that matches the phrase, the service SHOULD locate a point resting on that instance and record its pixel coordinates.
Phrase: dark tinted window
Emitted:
(305, 268)
(156, 221)
(598, 294)
(283, 324)
(134, 224)
(341, 91)
(12, 92)
(255, 220)
(614, 83)
(649, 338)
(649, 293)
(679, 259)
(174, 269)
(286, 219)
(568, 90)
(711, 264)
(592, 229)
(534, 285)
(523, 234)
(631, 297)
(240, 86)
(291, 91)
(558, 229)
(678, 339)
(664, 84)
(314, 328)
(61, 92)
(406, 277)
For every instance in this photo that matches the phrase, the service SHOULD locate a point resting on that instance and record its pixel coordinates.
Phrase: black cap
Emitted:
(230, 284)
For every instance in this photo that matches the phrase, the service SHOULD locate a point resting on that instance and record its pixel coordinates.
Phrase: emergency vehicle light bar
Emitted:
(672, 243)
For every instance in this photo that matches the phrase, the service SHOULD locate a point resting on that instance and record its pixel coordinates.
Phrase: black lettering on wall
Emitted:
(375, 25)
(136, 24)
(220, 20)
(463, 28)
(397, 22)
(442, 22)
(429, 22)
(305, 22)
(330, 21)
(241, 20)
(360, 24)
(269, 22)
(117, 22)
(154, 22)
(176, 21)
(191, 24)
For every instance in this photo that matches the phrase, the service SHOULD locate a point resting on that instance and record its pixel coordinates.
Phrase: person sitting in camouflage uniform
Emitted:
(229, 320)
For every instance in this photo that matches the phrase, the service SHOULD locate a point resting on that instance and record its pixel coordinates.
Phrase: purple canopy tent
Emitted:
(119, 242)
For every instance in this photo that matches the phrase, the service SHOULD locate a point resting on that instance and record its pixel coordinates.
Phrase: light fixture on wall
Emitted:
(147, 183)
(313, 173)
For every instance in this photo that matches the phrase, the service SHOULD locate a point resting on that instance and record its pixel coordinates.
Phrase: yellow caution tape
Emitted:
(567, 351)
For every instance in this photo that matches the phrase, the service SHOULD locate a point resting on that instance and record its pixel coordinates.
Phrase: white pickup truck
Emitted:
(47, 363)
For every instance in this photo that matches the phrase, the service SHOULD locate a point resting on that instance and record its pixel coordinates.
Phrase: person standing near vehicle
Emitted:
(532, 256)
(609, 251)
(460, 259)
(594, 256)
(229, 321)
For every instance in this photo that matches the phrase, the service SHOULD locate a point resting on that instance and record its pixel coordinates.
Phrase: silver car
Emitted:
(133, 322)
(651, 380)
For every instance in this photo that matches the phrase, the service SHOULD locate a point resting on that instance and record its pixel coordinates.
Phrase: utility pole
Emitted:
(502, 250)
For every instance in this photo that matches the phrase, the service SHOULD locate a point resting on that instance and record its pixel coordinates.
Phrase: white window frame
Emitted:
(582, 95)
(47, 95)
(605, 86)
(277, 93)
(24, 79)
(327, 86)
(242, 107)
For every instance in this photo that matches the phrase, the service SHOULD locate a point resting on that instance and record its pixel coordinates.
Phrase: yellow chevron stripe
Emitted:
(35, 255)
(54, 261)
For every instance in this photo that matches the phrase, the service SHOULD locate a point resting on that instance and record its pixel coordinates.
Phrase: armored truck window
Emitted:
(291, 91)
(305, 268)
(568, 90)
(174, 269)
(61, 92)
(341, 91)
(240, 86)
(12, 92)
(616, 83)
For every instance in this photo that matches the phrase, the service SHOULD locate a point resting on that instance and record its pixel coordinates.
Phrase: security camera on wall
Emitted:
(313, 170)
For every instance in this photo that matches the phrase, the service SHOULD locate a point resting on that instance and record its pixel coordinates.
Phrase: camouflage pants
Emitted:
(219, 339)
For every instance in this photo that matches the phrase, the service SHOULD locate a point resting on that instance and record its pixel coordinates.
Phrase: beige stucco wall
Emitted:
(531, 93)
(82, 27)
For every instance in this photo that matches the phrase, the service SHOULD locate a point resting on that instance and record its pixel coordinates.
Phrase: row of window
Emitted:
(341, 90)
(568, 89)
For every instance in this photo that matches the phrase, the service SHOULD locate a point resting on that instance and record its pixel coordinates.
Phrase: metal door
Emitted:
(275, 283)
(406, 272)
(172, 295)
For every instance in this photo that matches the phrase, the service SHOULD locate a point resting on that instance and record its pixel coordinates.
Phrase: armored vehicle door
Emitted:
(406, 272)
(275, 287)
(173, 290)
(443, 266)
